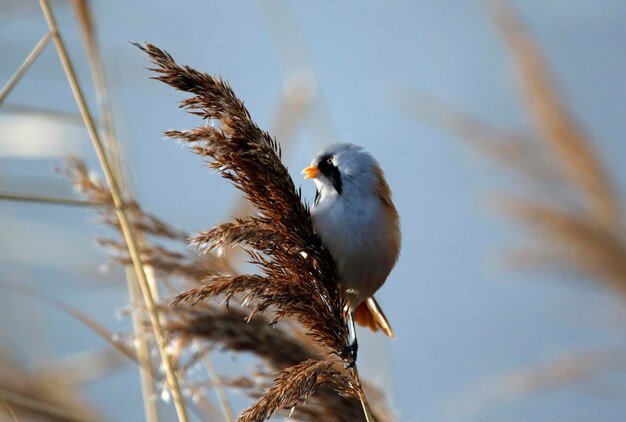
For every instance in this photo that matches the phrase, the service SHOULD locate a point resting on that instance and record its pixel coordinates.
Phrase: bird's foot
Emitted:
(349, 353)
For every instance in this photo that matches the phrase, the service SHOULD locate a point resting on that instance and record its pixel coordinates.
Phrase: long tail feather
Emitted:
(369, 314)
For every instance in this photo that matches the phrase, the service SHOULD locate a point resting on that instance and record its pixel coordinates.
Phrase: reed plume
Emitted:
(232, 327)
(296, 279)
(280, 347)
(297, 275)
(164, 258)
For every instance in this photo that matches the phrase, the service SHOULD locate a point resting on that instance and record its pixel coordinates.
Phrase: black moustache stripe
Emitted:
(331, 172)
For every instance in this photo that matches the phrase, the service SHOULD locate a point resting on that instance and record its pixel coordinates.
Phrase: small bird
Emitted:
(355, 219)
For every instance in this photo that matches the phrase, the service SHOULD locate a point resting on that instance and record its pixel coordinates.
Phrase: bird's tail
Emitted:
(369, 314)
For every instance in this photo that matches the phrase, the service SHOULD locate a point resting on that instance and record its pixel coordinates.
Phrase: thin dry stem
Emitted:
(222, 397)
(21, 71)
(8, 408)
(44, 199)
(88, 31)
(127, 230)
(361, 394)
(165, 262)
(142, 350)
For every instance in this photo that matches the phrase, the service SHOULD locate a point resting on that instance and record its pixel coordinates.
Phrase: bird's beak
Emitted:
(311, 172)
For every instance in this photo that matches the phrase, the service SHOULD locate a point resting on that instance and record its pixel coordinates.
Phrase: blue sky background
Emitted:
(461, 319)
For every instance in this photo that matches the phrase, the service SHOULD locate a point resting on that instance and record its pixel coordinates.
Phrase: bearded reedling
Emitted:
(355, 219)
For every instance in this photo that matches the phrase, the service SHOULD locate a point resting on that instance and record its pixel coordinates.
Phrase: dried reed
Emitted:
(573, 213)
(279, 346)
(166, 261)
(114, 184)
(586, 235)
(297, 275)
(564, 138)
(27, 395)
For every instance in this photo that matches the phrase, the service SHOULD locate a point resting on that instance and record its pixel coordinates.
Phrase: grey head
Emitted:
(344, 169)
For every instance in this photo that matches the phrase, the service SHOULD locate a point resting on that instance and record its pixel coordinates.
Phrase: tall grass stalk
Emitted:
(168, 362)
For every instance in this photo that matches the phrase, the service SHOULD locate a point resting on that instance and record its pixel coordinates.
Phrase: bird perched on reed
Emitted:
(355, 218)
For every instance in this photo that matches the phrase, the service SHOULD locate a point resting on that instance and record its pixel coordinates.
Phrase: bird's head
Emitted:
(344, 169)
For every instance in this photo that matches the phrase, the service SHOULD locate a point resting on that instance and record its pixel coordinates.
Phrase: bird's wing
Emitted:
(369, 314)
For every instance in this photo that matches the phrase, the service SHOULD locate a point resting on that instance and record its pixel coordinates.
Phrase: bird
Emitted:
(356, 221)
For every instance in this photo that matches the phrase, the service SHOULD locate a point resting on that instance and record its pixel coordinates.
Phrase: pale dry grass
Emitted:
(570, 208)
(26, 395)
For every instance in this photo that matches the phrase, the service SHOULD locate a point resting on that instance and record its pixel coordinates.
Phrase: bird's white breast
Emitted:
(359, 233)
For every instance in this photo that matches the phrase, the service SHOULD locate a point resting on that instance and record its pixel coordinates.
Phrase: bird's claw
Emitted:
(350, 353)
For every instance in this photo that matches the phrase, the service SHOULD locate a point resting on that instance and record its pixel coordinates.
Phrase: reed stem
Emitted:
(367, 412)
(44, 199)
(25, 66)
(128, 233)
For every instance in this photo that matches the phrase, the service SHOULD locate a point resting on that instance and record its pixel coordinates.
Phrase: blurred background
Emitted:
(507, 170)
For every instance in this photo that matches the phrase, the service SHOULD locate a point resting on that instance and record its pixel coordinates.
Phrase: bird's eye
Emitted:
(330, 161)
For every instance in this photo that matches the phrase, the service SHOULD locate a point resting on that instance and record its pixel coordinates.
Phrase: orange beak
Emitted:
(311, 172)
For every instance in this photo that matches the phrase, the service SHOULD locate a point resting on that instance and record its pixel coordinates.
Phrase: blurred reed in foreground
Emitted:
(571, 208)
(31, 395)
